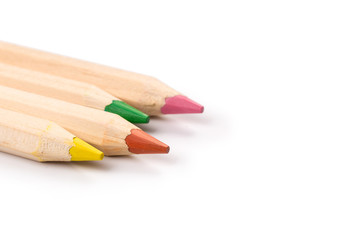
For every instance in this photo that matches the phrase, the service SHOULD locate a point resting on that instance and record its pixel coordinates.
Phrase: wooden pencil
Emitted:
(106, 131)
(143, 92)
(68, 90)
(41, 140)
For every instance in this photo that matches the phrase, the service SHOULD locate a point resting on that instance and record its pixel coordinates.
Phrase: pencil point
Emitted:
(141, 143)
(82, 151)
(128, 112)
(181, 104)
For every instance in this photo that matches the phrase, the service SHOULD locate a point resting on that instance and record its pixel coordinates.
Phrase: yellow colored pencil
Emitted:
(41, 140)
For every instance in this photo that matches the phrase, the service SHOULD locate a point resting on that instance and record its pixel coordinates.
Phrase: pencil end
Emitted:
(181, 104)
(127, 112)
(82, 151)
(140, 142)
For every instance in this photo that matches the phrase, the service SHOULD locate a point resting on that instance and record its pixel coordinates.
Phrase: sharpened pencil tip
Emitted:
(181, 104)
(141, 143)
(128, 112)
(82, 151)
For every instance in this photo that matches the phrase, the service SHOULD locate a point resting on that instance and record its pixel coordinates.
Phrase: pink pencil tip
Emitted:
(181, 104)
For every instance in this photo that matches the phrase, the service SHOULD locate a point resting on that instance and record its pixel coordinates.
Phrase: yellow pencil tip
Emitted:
(82, 151)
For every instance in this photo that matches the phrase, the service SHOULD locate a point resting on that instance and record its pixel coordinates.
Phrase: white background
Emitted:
(276, 155)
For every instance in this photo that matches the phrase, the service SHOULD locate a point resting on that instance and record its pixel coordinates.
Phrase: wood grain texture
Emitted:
(33, 138)
(105, 131)
(54, 86)
(143, 92)
(68, 90)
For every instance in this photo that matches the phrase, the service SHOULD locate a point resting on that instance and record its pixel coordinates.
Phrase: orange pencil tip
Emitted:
(140, 142)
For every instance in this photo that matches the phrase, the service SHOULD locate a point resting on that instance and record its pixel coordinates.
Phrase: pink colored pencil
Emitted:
(143, 92)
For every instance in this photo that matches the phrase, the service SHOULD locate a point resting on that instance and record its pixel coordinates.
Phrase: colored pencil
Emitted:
(143, 92)
(106, 131)
(68, 90)
(41, 140)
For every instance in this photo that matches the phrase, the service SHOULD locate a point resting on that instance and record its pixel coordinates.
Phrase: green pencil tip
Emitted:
(128, 112)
